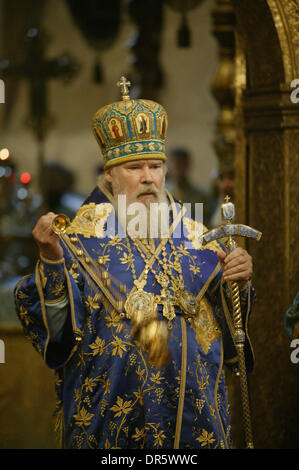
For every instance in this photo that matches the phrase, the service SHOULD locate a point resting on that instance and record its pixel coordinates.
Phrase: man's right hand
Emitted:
(46, 239)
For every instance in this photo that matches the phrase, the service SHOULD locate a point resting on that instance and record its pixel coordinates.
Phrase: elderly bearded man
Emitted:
(138, 330)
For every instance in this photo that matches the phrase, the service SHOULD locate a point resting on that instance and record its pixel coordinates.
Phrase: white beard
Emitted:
(152, 219)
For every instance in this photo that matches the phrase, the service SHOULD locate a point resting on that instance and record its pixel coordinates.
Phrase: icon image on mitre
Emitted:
(115, 129)
(163, 126)
(142, 121)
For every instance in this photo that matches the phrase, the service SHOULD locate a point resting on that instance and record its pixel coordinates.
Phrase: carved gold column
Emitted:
(240, 162)
(223, 88)
(269, 32)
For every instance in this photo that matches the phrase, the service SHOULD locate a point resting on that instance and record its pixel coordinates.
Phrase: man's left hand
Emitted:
(236, 266)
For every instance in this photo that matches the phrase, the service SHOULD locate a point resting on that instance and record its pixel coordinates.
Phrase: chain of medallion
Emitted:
(182, 298)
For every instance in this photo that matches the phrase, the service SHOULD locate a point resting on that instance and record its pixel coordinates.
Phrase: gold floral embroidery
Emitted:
(58, 289)
(121, 407)
(113, 319)
(58, 381)
(206, 438)
(24, 315)
(89, 384)
(139, 395)
(118, 347)
(203, 383)
(194, 269)
(158, 435)
(83, 418)
(182, 251)
(90, 220)
(115, 240)
(205, 325)
(156, 378)
(140, 372)
(127, 259)
(73, 272)
(159, 438)
(106, 386)
(97, 346)
(77, 394)
(139, 434)
(21, 295)
(92, 302)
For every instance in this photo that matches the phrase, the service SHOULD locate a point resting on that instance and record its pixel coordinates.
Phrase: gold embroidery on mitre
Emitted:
(205, 325)
(195, 232)
(119, 127)
(90, 220)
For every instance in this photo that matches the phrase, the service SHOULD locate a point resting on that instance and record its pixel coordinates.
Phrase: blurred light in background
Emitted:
(25, 177)
(4, 154)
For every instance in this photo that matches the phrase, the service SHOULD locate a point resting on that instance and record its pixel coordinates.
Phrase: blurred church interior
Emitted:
(223, 70)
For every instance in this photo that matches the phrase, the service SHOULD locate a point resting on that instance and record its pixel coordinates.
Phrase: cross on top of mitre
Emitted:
(124, 85)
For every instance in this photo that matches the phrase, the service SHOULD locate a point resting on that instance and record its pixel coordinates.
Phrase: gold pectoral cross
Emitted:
(165, 299)
(168, 303)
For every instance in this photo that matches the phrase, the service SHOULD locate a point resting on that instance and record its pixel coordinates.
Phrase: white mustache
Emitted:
(151, 189)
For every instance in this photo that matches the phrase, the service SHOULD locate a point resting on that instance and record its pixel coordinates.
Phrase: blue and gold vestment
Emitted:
(109, 396)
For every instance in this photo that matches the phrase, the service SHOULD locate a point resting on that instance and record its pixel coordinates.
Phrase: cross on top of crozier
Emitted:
(228, 210)
(124, 85)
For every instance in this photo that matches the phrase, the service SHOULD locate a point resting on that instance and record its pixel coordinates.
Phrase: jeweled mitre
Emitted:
(130, 129)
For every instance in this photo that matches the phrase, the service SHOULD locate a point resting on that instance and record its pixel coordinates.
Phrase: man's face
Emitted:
(227, 183)
(140, 180)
